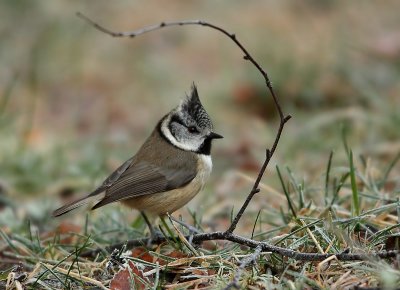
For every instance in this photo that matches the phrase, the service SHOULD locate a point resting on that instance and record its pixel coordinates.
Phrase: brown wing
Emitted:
(143, 178)
(137, 176)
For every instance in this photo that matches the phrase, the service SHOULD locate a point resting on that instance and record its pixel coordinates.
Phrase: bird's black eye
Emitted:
(193, 129)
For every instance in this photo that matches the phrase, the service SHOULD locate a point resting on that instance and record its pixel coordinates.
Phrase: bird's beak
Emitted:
(213, 135)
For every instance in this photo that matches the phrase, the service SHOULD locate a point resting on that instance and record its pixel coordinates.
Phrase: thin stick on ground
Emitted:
(247, 56)
(245, 262)
(198, 238)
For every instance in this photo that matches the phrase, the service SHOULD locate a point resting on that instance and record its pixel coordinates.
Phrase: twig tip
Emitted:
(287, 118)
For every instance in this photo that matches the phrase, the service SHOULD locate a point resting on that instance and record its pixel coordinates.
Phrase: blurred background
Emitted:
(75, 103)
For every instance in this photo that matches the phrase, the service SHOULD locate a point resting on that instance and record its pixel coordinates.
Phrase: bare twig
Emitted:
(247, 56)
(265, 247)
(245, 262)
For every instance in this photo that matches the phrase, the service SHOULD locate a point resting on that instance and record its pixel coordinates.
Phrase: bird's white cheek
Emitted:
(193, 144)
(189, 145)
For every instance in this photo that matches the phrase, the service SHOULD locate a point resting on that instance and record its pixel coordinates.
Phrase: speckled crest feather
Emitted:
(192, 106)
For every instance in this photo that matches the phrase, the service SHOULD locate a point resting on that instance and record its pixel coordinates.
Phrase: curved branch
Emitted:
(247, 56)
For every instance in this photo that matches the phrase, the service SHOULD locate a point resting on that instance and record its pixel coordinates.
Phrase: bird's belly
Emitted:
(169, 201)
(164, 202)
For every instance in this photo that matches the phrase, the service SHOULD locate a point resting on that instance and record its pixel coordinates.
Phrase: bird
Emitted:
(169, 169)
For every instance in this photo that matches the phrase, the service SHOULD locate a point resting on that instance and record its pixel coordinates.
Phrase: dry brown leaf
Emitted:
(123, 279)
(143, 254)
(62, 229)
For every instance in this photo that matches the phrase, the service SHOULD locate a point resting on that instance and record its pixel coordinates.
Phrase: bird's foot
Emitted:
(155, 235)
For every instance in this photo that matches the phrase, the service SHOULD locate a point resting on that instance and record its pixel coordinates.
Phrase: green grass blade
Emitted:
(286, 193)
(355, 206)
(344, 130)
(327, 175)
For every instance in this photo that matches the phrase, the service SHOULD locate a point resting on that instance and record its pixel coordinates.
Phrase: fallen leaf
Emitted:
(123, 279)
(177, 254)
(64, 228)
(143, 254)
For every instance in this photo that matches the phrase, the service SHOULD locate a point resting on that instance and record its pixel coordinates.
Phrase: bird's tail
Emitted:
(77, 203)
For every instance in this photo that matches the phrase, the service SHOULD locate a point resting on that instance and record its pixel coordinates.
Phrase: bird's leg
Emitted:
(154, 233)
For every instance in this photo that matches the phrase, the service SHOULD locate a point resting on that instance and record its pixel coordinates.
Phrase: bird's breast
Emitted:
(204, 167)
